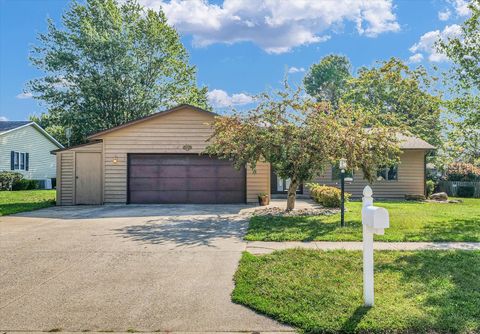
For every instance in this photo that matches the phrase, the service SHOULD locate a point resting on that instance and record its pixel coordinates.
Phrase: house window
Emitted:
(22, 161)
(15, 161)
(19, 161)
(336, 173)
(387, 173)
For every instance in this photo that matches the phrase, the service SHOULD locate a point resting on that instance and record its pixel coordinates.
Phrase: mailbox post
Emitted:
(374, 221)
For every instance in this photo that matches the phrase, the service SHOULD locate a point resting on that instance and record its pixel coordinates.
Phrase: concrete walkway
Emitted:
(265, 247)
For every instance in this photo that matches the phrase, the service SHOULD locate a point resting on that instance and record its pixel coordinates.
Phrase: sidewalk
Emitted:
(265, 247)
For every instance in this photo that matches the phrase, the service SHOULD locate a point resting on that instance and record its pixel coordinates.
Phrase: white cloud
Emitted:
(3, 118)
(294, 69)
(276, 26)
(426, 44)
(220, 99)
(416, 58)
(461, 7)
(445, 15)
(24, 96)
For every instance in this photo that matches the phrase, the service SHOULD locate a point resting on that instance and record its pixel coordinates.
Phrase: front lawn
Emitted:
(315, 291)
(25, 200)
(409, 221)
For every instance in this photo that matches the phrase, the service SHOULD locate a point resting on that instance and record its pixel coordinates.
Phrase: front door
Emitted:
(88, 178)
(280, 186)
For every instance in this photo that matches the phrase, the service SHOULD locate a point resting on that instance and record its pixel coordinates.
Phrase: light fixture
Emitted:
(115, 159)
(343, 164)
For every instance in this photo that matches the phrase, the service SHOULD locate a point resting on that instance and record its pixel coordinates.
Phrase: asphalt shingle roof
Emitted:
(9, 125)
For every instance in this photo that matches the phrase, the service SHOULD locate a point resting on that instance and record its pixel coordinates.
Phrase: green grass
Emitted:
(415, 292)
(25, 200)
(409, 221)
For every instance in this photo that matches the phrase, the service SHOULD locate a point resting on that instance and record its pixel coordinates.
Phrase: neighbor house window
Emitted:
(16, 160)
(22, 161)
(387, 173)
(19, 161)
(336, 173)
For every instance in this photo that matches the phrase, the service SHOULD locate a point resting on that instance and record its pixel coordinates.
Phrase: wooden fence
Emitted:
(451, 187)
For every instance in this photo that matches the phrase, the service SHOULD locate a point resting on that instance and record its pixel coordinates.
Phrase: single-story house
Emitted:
(25, 148)
(156, 159)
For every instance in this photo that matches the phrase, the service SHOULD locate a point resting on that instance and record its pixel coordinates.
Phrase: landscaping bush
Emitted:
(460, 171)
(430, 187)
(24, 184)
(329, 197)
(465, 191)
(9, 179)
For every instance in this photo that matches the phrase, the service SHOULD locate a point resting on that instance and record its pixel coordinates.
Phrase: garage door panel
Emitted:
(225, 171)
(167, 178)
(202, 171)
(144, 171)
(172, 171)
(230, 183)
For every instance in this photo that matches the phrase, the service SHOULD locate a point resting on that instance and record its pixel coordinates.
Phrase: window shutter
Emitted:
(26, 161)
(12, 160)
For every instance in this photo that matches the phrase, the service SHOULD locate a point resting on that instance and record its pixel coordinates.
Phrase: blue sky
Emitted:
(243, 47)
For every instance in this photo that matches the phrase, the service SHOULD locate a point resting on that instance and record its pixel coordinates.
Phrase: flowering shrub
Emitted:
(9, 179)
(461, 171)
(329, 197)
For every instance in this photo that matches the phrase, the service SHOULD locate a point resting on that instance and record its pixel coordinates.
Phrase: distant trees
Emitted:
(395, 94)
(463, 81)
(110, 63)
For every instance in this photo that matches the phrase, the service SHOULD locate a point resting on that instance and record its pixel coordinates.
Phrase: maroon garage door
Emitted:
(183, 178)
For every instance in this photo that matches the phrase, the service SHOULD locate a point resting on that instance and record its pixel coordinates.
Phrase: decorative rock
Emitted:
(415, 197)
(279, 212)
(439, 196)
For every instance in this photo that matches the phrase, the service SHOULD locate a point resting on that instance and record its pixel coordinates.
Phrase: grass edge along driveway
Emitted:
(409, 221)
(25, 200)
(321, 291)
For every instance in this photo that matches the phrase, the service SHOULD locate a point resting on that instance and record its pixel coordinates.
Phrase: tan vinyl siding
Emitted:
(258, 182)
(410, 178)
(28, 139)
(66, 172)
(66, 176)
(167, 133)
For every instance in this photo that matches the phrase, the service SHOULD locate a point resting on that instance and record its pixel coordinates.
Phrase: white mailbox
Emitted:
(374, 220)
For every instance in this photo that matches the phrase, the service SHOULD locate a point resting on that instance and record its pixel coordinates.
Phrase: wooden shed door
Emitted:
(88, 178)
(183, 178)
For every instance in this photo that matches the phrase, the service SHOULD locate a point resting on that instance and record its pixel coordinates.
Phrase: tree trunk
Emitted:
(292, 193)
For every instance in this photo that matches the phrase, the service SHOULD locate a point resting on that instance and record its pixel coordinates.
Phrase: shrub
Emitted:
(8, 179)
(430, 187)
(24, 184)
(465, 191)
(461, 171)
(329, 197)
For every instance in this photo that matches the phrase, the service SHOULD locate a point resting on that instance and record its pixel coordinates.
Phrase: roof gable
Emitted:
(22, 124)
(10, 125)
(147, 118)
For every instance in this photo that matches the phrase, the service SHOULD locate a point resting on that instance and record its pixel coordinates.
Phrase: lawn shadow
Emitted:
(182, 231)
(352, 322)
(448, 285)
(453, 230)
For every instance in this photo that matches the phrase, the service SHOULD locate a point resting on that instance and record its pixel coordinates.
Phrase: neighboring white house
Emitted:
(25, 148)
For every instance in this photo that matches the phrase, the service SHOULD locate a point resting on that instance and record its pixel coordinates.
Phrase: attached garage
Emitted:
(184, 178)
(156, 159)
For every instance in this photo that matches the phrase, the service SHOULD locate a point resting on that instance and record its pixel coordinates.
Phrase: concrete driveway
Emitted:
(120, 268)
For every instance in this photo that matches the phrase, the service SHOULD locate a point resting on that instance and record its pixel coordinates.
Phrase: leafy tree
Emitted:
(110, 63)
(463, 81)
(327, 80)
(399, 96)
(300, 137)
